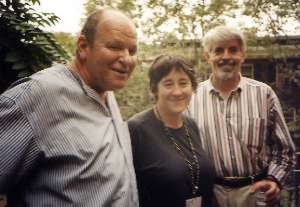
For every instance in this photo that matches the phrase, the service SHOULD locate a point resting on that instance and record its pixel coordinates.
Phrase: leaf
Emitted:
(12, 57)
(25, 47)
(19, 65)
(36, 2)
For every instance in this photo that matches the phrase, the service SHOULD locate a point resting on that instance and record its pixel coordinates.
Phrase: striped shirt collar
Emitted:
(87, 89)
(90, 92)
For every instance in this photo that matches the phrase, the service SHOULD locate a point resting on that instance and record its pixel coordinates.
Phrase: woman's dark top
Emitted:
(163, 178)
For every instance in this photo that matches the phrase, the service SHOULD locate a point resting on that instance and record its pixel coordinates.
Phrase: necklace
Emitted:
(193, 165)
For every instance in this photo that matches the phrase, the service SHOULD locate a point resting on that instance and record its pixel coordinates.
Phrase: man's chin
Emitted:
(118, 86)
(227, 68)
(225, 75)
(115, 85)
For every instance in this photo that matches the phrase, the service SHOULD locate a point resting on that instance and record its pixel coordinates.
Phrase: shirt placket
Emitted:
(225, 105)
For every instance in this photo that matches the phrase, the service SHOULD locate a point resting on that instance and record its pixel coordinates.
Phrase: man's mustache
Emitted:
(227, 62)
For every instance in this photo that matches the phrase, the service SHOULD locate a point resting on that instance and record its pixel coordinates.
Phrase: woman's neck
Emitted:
(169, 119)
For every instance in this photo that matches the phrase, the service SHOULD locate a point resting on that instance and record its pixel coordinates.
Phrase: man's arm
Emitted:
(282, 146)
(282, 149)
(18, 150)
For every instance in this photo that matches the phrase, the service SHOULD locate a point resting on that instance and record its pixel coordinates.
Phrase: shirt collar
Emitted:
(89, 91)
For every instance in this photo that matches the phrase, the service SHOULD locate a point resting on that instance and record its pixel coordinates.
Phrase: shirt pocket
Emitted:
(253, 132)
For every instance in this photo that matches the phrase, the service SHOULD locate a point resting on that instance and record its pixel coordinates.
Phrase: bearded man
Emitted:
(241, 125)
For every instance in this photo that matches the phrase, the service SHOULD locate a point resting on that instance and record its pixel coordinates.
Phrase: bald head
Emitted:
(100, 17)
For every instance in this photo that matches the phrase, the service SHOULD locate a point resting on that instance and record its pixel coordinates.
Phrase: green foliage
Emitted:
(190, 19)
(67, 41)
(127, 6)
(272, 15)
(135, 97)
(24, 47)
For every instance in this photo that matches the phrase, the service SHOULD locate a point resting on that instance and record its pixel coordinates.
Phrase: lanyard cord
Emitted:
(193, 165)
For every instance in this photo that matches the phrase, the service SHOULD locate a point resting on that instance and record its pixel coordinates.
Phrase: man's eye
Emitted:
(132, 52)
(115, 47)
(233, 50)
(218, 50)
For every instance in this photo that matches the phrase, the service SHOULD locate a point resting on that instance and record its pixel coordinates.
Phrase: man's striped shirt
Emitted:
(60, 146)
(246, 132)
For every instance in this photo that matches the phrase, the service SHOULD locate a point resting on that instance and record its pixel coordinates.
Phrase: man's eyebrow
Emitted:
(115, 40)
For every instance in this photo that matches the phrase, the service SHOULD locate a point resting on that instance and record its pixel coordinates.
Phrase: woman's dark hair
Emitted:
(163, 65)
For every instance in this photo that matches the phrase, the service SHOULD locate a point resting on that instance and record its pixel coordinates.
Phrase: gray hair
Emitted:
(220, 34)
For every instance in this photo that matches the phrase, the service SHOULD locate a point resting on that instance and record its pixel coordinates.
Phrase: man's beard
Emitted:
(226, 69)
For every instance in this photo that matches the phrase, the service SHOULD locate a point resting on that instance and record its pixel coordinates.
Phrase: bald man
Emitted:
(62, 138)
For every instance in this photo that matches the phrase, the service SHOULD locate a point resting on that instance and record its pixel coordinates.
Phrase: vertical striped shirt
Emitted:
(244, 133)
(60, 146)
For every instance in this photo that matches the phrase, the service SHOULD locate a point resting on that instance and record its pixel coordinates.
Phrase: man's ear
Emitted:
(205, 56)
(82, 47)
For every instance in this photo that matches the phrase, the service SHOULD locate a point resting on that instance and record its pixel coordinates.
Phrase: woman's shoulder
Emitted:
(140, 118)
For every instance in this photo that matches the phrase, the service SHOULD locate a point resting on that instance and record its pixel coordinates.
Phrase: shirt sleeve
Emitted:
(18, 150)
(283, 158)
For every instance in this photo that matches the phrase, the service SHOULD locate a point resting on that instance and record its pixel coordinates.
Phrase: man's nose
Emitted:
(125, 56)
(226, 55)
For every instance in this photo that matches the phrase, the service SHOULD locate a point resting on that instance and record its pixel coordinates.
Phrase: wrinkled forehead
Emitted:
(115, 21)
(226, 43)
(116, 31)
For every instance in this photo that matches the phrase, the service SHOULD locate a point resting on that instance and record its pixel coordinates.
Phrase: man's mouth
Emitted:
(227, 66)
(122, 71)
